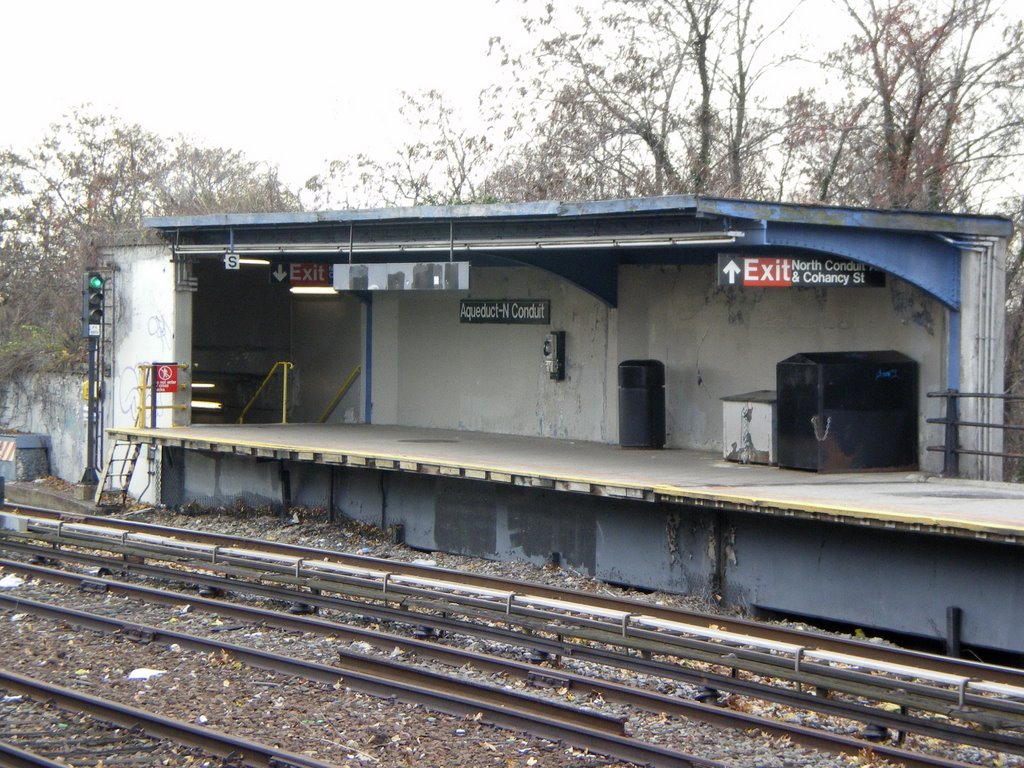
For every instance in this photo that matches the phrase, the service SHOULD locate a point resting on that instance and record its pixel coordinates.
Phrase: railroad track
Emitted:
(91, 741)
(540, 677)
(979, 695)
(539, 647)
(34, 733)
(508, 709)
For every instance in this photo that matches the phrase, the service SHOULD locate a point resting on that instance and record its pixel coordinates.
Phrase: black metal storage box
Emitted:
(847, 411)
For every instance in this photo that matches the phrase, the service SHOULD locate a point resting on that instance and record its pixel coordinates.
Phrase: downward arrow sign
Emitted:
(280, 273)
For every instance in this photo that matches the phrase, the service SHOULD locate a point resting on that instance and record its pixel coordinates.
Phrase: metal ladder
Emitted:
(119, 468)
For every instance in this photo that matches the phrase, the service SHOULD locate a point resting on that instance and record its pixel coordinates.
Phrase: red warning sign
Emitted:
(166, 377)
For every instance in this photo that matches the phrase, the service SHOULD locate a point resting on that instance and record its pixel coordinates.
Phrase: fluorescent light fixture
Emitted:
(207, 405)
(500, 246)
(249, 253)
(203, 385)
(313, 290)
(255, 262)
(576, 244)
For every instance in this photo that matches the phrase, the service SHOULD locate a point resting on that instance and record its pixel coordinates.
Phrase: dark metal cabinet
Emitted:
(847, 411)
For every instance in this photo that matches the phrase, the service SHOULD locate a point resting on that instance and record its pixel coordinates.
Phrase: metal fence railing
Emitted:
(951, 448)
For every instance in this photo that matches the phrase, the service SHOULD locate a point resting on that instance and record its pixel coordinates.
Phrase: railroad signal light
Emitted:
(92, 304)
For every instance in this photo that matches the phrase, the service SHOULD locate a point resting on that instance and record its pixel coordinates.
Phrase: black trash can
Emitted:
(847, 411)
(641, 404)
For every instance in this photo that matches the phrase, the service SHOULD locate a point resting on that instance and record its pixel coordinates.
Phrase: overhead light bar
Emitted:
(313, 290)
(256, 250)
(207, 405)
(255, 262)
(203, 385)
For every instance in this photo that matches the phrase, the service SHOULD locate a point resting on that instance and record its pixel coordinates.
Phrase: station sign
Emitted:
(796, 272)
(304, 274)
(505, 311)
(165, 377)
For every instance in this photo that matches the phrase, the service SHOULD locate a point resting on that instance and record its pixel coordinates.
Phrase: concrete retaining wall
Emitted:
(50, 405)
(876, 579)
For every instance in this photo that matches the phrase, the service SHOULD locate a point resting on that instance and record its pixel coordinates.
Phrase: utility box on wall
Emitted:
(847, 411)
(748, 427)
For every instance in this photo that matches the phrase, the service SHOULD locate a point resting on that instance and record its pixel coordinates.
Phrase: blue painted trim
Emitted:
(865, 218)
(368, 367)
(595, 274)
(928, 262)
(953, 364)
(918, 221)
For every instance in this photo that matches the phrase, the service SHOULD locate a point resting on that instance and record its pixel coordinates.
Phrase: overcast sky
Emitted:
(295, 83)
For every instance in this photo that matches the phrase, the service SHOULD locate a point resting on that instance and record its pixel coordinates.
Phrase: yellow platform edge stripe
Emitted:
(683, 492)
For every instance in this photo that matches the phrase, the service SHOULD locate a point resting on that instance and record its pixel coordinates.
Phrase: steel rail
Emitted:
(807, 665)
(220, 744)
(902, 693)
(759, 630)
(653, 702)
(377, 677)
(13, 757)
(555, 647)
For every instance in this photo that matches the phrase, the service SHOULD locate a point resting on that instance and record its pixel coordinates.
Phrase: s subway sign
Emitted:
(791, 272)
(505, 311)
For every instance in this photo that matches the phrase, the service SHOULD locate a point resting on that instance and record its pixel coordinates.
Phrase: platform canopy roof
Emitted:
(586, 242)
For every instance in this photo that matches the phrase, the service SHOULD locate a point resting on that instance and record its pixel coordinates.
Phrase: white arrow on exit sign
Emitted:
(731, 270)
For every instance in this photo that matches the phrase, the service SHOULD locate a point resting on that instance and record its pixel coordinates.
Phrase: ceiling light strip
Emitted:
(627, 241)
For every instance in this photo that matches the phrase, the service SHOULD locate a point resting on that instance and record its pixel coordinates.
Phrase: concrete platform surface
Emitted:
(914, 501)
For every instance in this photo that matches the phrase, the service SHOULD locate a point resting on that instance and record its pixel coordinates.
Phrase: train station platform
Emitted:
(891, 500)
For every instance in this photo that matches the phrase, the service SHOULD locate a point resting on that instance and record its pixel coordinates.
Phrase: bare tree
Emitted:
(650, 97)
(932, 116)
(197, 180)
(92, 175)
(445, 164)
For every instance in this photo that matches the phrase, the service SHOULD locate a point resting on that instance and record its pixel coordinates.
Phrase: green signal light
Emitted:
(95, 282)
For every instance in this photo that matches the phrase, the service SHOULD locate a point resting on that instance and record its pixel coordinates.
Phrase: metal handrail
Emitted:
(950, 448)
(147, 393)
(342, 391)
(285, 366)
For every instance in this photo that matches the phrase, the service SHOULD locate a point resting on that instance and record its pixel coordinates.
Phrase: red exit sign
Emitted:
(302, 273)
(794, 272)
(771, 272)
(768, 272)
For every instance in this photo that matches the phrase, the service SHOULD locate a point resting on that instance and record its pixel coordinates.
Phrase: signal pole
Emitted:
(92, 325)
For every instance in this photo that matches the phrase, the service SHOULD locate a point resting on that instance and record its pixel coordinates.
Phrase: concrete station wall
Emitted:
(717, 342)
(430, 370)
(326, 345)
(151, 323)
